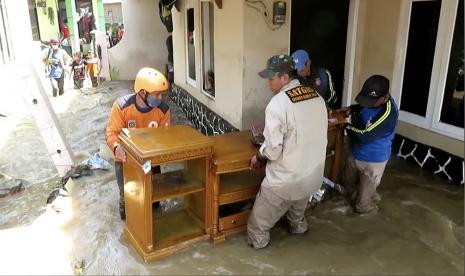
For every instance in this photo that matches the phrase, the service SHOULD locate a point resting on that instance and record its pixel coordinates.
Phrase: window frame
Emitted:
(189, 80)
(431, 121)
(202, 50)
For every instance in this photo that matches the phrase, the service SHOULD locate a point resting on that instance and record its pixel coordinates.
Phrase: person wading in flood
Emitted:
(145, 109)
(294, 151)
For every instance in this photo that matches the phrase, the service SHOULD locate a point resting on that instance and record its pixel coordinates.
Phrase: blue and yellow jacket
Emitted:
(321, 81)
(372, 130)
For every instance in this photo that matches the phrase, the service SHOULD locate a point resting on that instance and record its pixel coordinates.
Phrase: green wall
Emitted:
(101, 16)
(48, 21)
(69, 16)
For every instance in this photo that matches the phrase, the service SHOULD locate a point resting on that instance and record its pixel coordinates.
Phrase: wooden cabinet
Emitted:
(152, 232)
(235, 186)
(335, 146)
(232, 181)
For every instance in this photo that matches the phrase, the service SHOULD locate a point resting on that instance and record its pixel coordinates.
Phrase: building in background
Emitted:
(417, 44)
(114, 25)
(220, 45)
(80, 17)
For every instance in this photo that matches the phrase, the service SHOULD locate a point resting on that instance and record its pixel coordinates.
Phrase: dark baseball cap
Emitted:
(375, 87)
(277, 64)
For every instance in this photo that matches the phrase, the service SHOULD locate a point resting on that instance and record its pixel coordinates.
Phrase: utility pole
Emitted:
(45, 118)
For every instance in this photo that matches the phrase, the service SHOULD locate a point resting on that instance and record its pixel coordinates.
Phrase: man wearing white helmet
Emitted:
(144, 109)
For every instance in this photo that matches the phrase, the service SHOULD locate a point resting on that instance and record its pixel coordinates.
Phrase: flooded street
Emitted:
(418, 230)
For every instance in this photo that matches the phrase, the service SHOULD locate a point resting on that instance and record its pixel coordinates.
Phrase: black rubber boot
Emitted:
(120, 182)
(122, 211)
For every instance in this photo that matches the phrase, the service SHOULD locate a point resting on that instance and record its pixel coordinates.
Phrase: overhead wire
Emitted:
(263, 11)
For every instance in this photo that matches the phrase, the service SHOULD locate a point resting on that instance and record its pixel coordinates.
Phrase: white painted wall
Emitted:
(260, 43)
(243, 43)
(228, 34)
(116, 13)
(143, 43)
(19, 30)
(376, 40)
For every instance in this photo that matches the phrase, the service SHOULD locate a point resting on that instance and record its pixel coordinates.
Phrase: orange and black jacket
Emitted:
(125, 113)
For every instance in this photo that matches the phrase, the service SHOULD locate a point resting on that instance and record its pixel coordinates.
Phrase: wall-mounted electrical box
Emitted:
(279, 12)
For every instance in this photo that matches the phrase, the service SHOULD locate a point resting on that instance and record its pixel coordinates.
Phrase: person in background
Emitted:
(317, 78)
(144, 109)
(92, 25)
(65, 38)
(55, 60)
(79, 70)
(294, 152)
(372, 128)
(93, 68)
(120, 32)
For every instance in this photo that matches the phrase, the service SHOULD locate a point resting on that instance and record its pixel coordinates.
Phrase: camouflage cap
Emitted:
(277, 64)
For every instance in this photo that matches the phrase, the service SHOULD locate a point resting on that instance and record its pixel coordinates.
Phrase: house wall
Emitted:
(260, 43)
(228, 57)
(48, 28)
(97, 6)
(431, 138)
(376, 53)
(18, 33)
(117, 12)
(376, 40)
(143, 43)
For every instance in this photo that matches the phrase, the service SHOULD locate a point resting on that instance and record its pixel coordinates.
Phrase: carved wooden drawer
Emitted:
(234, 221)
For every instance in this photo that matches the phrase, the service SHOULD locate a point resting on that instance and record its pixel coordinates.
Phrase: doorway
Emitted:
(320, 27)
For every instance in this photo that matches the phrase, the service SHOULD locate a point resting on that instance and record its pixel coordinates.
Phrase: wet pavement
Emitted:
(418, 230)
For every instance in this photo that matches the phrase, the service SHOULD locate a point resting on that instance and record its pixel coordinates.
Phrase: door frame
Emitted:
(351, 42)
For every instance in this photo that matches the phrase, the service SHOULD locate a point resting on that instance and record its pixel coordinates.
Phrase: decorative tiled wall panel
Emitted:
(437, 161)
(205, 120)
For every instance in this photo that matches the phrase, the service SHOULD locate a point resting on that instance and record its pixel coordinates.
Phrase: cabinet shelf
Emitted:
(239, 186)
(174, 184)
(174, 227)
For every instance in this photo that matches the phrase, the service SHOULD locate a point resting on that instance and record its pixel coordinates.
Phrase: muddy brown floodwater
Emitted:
(418, 229)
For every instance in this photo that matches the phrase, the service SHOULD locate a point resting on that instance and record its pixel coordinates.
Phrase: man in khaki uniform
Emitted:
(294, 150)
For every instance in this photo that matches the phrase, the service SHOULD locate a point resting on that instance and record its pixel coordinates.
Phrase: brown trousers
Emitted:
(361, 180)
(267, 210)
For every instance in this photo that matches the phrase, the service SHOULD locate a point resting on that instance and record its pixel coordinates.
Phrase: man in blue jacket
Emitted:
(372, 128)
(317, 78)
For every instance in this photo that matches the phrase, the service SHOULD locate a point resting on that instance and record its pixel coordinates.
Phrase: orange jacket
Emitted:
(125, 114)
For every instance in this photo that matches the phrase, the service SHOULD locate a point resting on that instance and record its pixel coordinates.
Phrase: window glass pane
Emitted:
(424, 19)
(190, 43)
(208, 69)
(452, 104)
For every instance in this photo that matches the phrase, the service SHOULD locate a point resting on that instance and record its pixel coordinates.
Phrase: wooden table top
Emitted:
(233, 147)
(236, 146)
(149, 142)
(341, 118)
